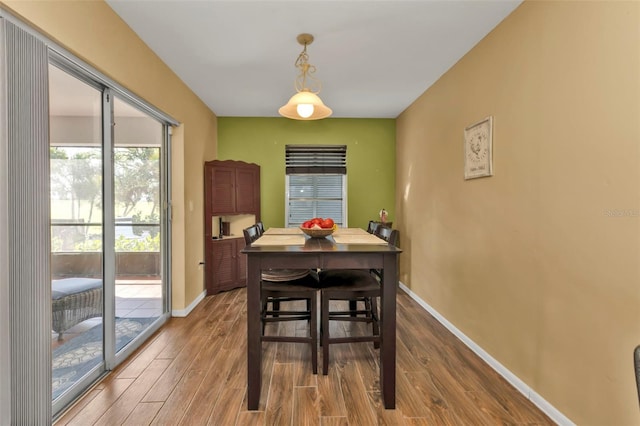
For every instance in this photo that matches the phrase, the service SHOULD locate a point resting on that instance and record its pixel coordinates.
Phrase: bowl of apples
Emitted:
(318, 227)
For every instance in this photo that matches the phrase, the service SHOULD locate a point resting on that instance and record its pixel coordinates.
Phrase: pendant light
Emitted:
(305, 104)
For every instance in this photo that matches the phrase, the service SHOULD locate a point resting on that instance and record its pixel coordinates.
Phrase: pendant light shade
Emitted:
(305, 104)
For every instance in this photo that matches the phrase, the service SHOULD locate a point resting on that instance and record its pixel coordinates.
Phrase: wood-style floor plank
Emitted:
(172, 410)
(193, 372)
(227, 407)
(330, 394)
(78, 407)
(174, 372)
(355, 396)
(121, 409)
(143, 414)
(279, 400)
(334, 421)
(305, 406)
(384, 416)
(98, 405)
(251, 418)
(140, 360)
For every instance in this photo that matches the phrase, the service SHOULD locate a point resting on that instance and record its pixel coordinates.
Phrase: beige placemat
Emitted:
(359, 239)
(350, 231)
(283, 231)
(279, 240)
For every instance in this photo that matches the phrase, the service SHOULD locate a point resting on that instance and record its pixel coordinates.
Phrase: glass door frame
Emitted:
(108, 234)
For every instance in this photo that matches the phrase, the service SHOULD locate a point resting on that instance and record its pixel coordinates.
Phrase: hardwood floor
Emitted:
(193, 372)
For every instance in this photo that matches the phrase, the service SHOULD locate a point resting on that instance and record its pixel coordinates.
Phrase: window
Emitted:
(316, 183)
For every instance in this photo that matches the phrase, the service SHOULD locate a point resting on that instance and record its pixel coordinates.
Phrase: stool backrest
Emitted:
(371, 228)
(250, 234)
(387, 234)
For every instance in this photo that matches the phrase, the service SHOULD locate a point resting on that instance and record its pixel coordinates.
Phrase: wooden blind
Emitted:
(316, 159)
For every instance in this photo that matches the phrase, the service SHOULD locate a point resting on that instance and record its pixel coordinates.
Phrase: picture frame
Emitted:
(478, 149)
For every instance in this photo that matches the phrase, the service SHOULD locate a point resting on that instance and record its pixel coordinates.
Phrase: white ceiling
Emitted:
(374, 58)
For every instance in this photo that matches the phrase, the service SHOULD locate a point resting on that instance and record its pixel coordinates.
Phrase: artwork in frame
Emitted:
(478, 149)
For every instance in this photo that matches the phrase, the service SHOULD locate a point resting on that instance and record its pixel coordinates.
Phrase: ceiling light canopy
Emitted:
(305, 104)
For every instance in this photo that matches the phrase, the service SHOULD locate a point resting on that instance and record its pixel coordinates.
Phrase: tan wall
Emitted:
(94, 33)
(539, 264)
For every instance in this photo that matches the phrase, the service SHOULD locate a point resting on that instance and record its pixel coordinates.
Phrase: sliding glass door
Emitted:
(108, 227)
(139, 293)
(77, 232)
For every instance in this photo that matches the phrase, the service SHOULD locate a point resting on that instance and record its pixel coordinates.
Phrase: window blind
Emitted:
(316, 183)
(29, 265)
(315, 196)
(316, 159)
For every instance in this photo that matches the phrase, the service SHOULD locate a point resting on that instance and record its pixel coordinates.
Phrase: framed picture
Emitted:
(478, 151)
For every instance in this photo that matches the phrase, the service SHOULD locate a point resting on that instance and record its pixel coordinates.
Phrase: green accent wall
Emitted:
(371, 159)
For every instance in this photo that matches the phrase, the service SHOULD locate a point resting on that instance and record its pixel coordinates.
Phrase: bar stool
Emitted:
(385, 232)
(352, 285)
(278, 286)
(348, 285)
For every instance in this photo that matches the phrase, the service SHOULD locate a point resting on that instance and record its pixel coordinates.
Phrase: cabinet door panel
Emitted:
(246, 185)
(224, 191)
(224, 265)
(209, 270)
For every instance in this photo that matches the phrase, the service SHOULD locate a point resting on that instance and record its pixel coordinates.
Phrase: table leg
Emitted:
(388, 332)
(254, 347)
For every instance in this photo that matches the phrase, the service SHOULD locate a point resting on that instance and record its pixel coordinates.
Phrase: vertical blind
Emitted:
(28, 217)
(316, 177)
(5, 358)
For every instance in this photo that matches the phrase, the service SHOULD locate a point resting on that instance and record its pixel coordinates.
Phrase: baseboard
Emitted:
(521, 386)
(184, 312)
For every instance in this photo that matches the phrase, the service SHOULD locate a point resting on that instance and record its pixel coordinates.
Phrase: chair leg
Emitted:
(367, 308)
(376, 326)
(324, 301)
(313, 328)
(265, 304)
(353, 306)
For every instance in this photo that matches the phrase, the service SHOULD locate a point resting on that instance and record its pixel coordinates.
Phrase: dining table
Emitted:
(346, 248)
